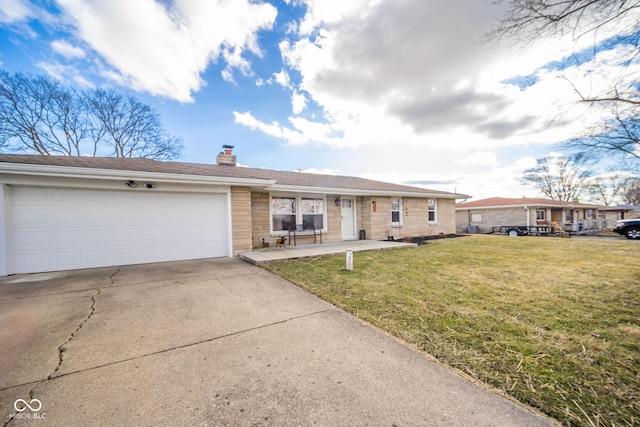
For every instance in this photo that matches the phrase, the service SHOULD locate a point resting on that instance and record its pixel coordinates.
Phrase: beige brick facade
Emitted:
(241, 219)
(373, 215)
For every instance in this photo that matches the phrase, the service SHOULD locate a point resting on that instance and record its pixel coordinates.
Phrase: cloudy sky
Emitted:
(395, 90)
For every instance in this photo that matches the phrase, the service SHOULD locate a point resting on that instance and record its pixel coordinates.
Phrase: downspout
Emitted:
(526, 208)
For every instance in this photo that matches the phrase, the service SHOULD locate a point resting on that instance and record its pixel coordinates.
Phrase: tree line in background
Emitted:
(40, 115)
(617, 139)
(569, 178)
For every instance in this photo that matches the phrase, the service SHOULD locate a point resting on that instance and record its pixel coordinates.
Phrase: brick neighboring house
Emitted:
(481, 215)
(63, 213)
(614, 213)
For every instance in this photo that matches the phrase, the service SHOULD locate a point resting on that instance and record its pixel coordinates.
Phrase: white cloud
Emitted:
(163, 50)
(67, 49)
(498, 181)
(272, 129)
(298, 102)
(12, 11)
(281, 78)
(65, 74)
(483, 158)
(325, 171)
(366, 63)
(384, 76)
(315, 131)
(329, 12)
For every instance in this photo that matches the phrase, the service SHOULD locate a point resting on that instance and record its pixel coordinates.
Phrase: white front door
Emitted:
(348, 218)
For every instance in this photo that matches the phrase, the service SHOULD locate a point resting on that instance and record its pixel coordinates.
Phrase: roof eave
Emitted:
(531, 206)
(356, 192)
(55, 171)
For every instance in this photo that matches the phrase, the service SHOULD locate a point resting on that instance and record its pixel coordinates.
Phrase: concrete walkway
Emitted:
(259, 256)
(215, 342)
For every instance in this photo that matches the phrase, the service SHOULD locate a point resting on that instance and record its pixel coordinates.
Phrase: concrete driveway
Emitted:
(214, 342)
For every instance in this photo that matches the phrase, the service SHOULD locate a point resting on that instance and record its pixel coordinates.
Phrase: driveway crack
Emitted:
(62, 348)
(193, 344)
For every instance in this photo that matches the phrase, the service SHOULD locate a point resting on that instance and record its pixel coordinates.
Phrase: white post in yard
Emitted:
(349, 259)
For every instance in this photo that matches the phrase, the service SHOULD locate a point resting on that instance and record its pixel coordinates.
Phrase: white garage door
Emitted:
(59, 229)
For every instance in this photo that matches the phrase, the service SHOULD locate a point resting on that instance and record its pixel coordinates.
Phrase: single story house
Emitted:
(614, 213)
(61, 213)
(481, 215)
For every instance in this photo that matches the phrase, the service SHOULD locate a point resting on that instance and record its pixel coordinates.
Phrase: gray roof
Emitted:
(632, 208)
(282, 178)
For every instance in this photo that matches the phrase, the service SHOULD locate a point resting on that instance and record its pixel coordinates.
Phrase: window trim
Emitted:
(435, 211)
(298, 214)
(399, 222)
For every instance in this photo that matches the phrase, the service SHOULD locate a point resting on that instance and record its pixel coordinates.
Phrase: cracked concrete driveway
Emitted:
(214, 342)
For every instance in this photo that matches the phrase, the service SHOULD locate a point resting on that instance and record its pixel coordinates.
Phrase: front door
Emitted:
(348, 219)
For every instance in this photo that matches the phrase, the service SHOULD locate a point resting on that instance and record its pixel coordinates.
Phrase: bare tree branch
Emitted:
(632, 195)
(41, 116)
(609, 190)
(527, 21)
(131, 128)
(559, 178)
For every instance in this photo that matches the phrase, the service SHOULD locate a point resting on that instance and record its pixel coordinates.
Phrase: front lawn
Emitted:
(553, 322)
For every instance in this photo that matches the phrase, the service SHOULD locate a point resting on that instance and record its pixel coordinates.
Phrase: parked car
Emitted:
(630, 228)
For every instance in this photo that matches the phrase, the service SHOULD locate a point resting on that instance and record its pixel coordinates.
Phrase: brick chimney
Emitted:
(226, 157)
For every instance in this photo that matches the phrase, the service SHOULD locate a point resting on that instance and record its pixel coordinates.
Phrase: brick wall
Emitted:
(373, 215)
(415, 218)
(241, 219)
(260, 220)
(446, 217)
(494, 217)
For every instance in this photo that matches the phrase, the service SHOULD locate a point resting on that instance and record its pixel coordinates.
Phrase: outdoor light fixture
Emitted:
(337, 201)
(150, 185)
(131, 183)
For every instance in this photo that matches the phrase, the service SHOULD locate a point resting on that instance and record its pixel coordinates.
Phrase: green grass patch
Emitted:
(553, 322)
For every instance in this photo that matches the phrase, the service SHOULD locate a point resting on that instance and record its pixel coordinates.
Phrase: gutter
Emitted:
(24, 169)
(54, 171)
(356, 192)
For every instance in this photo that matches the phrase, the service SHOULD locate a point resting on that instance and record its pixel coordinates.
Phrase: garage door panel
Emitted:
(123, 256)
(95, 256)
(35, 197)
(125, 236)
(96, 217)
(28, 261)
(26, 238)
(67, 259)
(66, 238)
(63, 216)
(57, 229)
(32, 215)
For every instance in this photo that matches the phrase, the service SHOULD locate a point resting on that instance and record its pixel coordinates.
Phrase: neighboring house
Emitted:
(481, 215)
(76, 212)
(614, 213)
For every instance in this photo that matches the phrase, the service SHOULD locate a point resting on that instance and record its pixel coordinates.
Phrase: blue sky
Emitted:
(394, 90)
